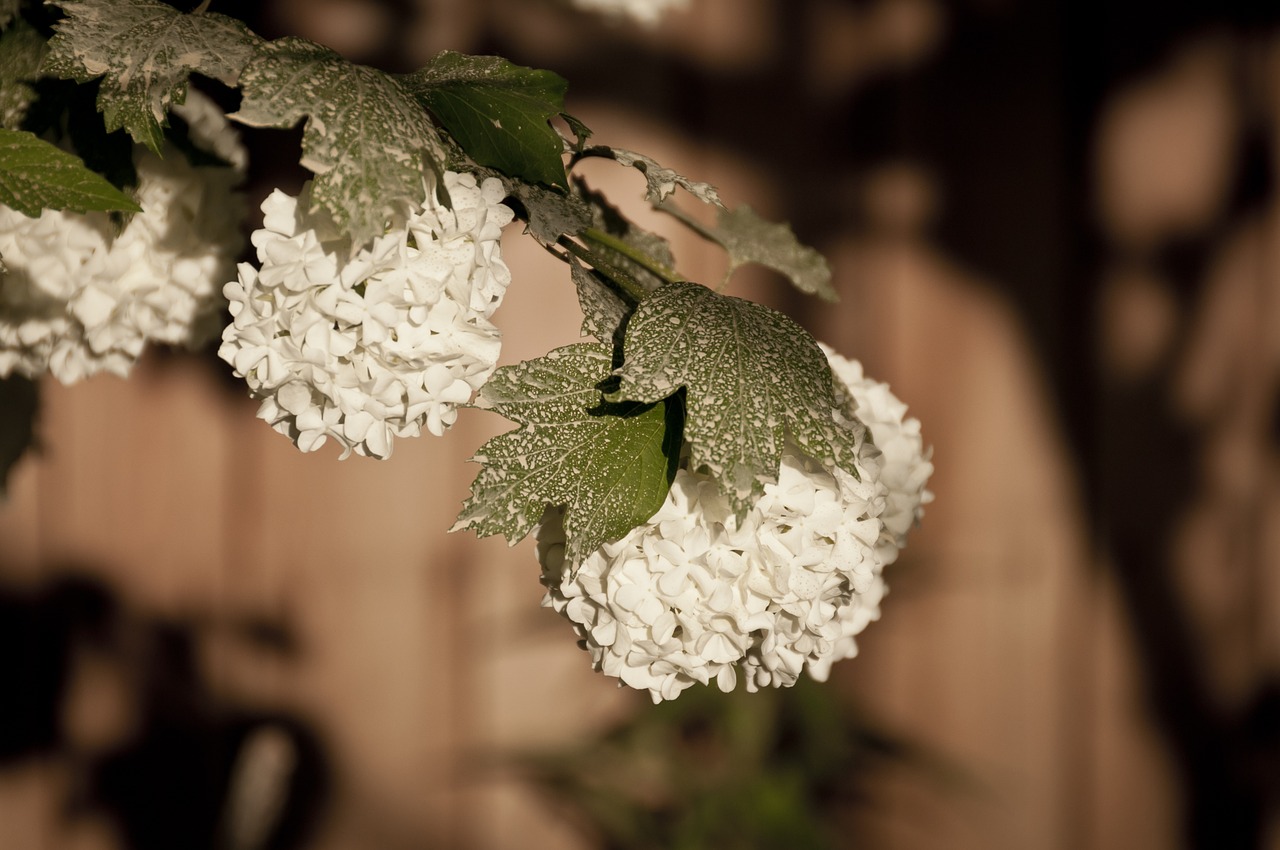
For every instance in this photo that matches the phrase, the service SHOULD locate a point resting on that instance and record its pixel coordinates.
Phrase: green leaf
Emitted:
(36, 175)
(64, 111)
(748, 238)
(609, 464)
(603, 309)
(662, 181)
(609, 220)
(753, 376)
(369, 142)
(21, 51)
(581, 132)
(18, 403)
(498, 112)
(145, 51)
(550, 214)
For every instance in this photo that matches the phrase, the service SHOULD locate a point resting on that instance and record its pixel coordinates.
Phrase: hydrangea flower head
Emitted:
(696, 596)
(78, 299)
(905, 467)
(375, 345)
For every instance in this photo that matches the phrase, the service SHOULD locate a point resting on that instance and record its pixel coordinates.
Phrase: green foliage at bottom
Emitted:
(713, 771)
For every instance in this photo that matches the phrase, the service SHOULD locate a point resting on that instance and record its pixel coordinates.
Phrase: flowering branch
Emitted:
(715, 496)
(632, 289)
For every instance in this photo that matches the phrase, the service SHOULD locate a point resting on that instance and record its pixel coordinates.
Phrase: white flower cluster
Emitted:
(695, 596)
(905, 464)
(368, 347)
(645, 12)
(905, 469)
(78, 299)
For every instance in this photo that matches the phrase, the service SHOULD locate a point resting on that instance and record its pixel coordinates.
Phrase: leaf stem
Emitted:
(687, 220)
(636, 256)
(702, 230)
(632, 289)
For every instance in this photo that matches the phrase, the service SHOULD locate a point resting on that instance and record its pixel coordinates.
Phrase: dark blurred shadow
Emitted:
(120, 696)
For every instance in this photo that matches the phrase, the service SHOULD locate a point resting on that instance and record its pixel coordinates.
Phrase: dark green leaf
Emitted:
(21, 51)
(580, 130)
(498, 112)
(145, 50)
(64, 111)
(754, 377)
(36, 175)
(610, 465)
(367, 139)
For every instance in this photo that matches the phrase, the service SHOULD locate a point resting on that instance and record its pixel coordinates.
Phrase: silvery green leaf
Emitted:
(748, 238)
(603, 309)
(609, 464)
(662, 181)
(145, 51)
(370, 143)
(551, 214)
(607, 218)
(754, 378)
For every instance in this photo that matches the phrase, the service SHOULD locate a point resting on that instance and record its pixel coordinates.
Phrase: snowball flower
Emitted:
(646, 12)
(77, 299)
(694, 595)
(375, 345)
(905, 464)
(904, 470)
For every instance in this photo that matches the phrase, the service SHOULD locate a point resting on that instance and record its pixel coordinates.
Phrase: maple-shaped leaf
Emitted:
(21, 51)
(754, 378)
(550, 214)
(603, 308)
(748, 238)
(145, 51)
(368, 140)
(609, 464)
(36, 175)
(497, 111)
(661, 181)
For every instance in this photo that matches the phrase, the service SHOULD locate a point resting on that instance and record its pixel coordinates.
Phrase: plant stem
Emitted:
(638, 257)
(632, 290)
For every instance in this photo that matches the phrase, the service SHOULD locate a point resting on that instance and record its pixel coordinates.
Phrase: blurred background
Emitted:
(1055, 229)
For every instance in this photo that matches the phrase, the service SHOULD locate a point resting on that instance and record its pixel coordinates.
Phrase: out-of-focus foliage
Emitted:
(724, 771)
